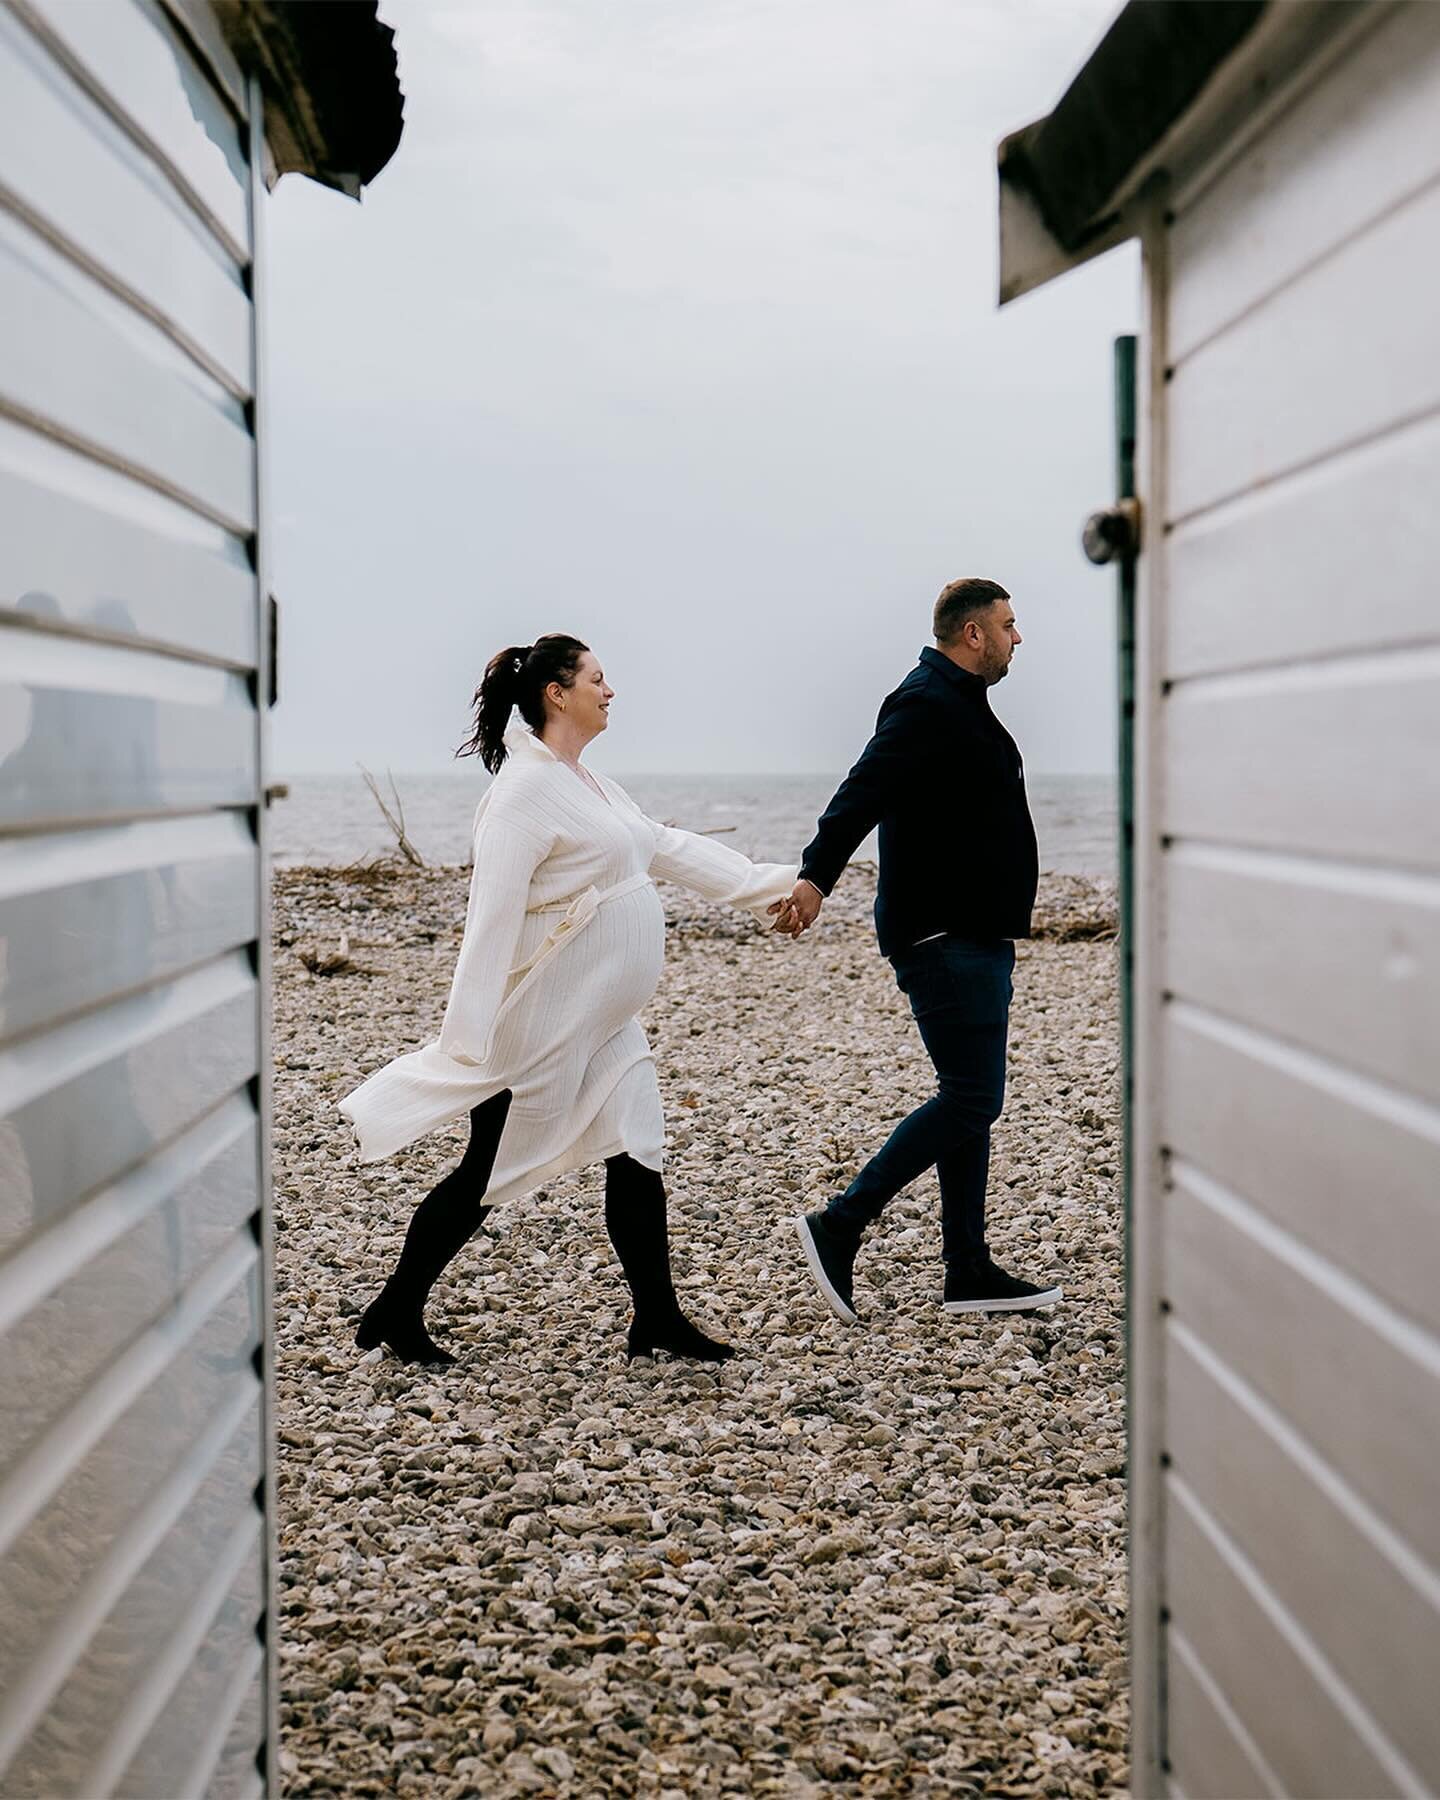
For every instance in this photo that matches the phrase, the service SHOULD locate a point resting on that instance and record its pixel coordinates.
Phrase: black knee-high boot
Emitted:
(443, 1223)
(635, 1217)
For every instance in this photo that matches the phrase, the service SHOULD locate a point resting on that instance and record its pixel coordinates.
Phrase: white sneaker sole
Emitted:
(822, 1280)
(1030, 1303)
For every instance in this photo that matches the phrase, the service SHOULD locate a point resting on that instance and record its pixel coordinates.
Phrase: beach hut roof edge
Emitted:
(334, 107)
(1167, 81)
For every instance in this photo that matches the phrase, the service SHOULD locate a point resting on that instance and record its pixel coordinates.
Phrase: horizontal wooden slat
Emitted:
(197, 24)
(1353, 145)
(71, 1300)
(1342, 961)
(1333, 1566)
(1279, 391)
(1351, 1376)
(79, 1685)
(100, 1467)
(1332, 562)
(93, 1098)
(89, 915)
(1342, 760)
(185, 1688)
(85, 549)
(224, 1767)
(1345, 1166)
(75, 359)
(1276, 1682)
(1211, 1755)
(81, 181)
(97, 732)
(132, 57)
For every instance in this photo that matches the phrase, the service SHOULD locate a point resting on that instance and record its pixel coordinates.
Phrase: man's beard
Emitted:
(997, 670)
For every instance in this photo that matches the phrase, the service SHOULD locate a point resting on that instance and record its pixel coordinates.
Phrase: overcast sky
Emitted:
(675, 327)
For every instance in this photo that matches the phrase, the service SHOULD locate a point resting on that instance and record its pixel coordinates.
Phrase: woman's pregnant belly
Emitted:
(589, 985)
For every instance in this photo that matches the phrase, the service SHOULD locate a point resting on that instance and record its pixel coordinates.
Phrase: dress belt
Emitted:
(577, 913)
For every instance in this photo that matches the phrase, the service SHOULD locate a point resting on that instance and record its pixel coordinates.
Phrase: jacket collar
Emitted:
(962, 678)
(525, 746)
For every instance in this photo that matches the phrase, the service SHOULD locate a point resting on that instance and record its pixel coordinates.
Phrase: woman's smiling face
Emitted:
(586, 703)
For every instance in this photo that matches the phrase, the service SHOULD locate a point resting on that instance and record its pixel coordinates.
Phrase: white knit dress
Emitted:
(564, 942)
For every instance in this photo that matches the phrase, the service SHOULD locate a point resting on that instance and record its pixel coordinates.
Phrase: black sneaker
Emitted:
(985, 1287)
(832, 1263)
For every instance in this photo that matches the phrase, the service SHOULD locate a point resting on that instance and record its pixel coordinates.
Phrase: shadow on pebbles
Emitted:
(887, 1560)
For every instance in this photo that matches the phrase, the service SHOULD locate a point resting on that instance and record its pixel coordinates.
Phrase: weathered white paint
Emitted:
(1279, 1684)
(93, 550)
(1282, 387)
(1145, 1237)
(1341, 1571)
(1285, 1223)
(73, 364)
(1206, 1739)
(1351, 142)
(1319, 566)
(1287, 1166)
(1327, 1154)
(81, 182)
(1374, 932)
(1257, 1294)
(133, 1554)
(189, 121)
(1271, 758)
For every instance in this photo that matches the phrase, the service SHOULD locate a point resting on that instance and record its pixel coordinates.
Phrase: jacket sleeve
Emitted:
(508, 850)
(888, 768)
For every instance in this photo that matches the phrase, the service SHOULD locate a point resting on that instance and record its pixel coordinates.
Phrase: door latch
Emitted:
(1113, 531)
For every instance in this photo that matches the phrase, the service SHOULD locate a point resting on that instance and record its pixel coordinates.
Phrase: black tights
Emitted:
(440, 1227)
(635, 1218)
(454, 1210)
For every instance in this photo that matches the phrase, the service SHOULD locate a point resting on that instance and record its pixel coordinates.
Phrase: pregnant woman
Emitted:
(564, 941)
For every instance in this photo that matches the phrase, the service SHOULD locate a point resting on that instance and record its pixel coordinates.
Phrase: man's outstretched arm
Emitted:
(887, 768)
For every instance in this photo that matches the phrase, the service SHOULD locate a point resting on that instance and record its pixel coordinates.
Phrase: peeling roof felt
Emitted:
(1151, 64)
(333, 104)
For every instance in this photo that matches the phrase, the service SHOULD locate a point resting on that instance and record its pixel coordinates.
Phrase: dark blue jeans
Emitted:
(959, 992)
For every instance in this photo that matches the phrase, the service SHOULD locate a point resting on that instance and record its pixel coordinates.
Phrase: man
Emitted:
(943, 780)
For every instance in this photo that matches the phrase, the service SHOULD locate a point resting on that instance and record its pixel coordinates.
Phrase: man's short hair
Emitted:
(960, 601)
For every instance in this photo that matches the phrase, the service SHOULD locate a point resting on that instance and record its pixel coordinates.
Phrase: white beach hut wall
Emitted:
(1280, 165)
(136, 663)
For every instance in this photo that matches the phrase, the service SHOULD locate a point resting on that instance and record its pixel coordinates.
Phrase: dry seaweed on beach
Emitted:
(322, 961)
(880, 1561)
(1072, 908)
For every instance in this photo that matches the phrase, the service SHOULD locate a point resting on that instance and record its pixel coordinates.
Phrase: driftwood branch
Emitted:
(393, 813)
(709, 831)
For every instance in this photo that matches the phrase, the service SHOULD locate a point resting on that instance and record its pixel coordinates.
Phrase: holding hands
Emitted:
(798, 911)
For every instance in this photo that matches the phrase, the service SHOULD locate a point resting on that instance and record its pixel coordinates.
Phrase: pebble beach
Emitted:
(877, 1560)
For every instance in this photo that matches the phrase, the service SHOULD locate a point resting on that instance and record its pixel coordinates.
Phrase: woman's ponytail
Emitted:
(519, 677)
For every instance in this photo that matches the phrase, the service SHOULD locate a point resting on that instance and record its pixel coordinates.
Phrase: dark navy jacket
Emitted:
(943, 780)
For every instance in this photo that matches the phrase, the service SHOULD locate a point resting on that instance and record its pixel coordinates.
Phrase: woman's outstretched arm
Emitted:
(712, 870)
(716, 872)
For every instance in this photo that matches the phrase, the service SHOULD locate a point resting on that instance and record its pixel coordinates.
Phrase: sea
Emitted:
(332, 819)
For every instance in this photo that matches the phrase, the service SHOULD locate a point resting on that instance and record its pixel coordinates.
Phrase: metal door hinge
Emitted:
(272, 627)
(1113, 531)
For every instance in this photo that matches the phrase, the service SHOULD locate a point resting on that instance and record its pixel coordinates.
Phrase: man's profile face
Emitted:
(998, 640)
